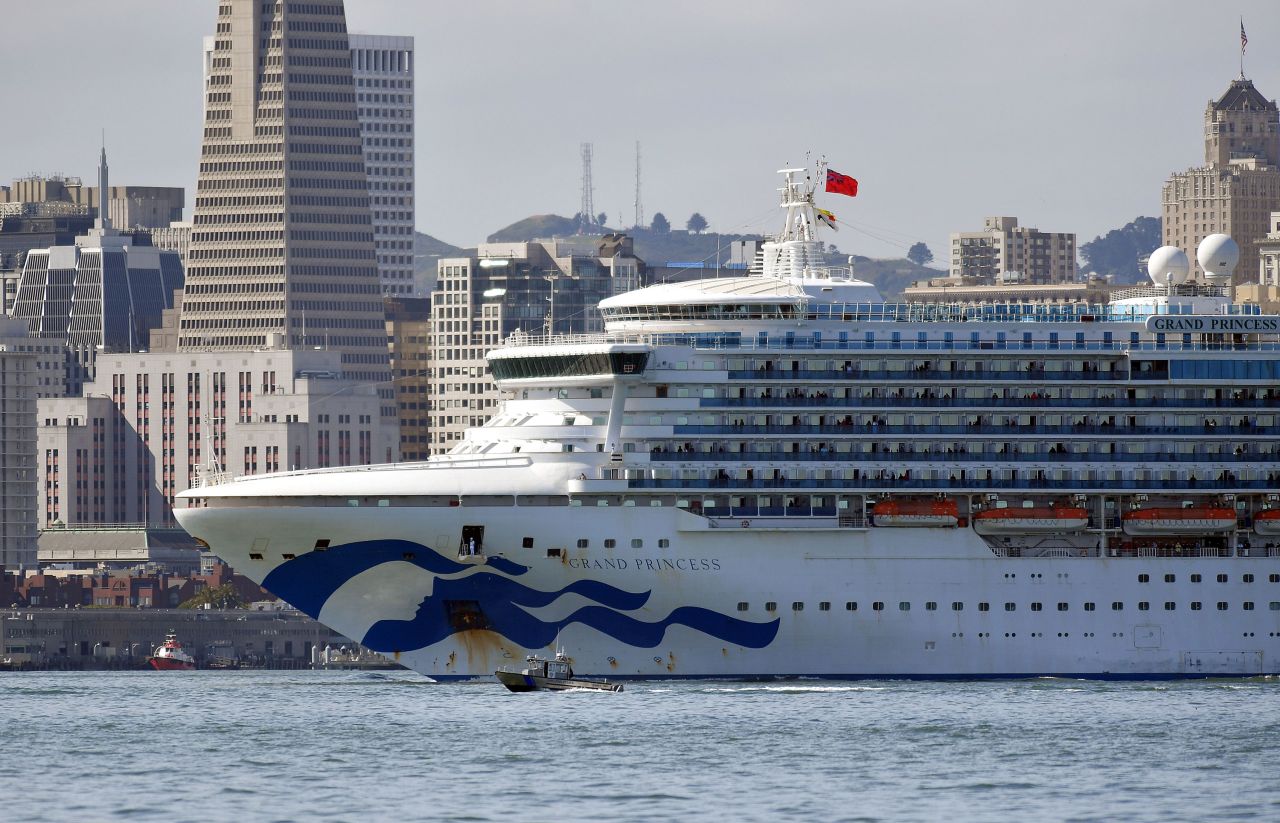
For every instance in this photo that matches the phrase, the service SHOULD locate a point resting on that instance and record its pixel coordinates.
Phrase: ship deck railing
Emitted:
(1000, 429)
(1099, 485)
(734, 341)
(984, 458)
(985, 404)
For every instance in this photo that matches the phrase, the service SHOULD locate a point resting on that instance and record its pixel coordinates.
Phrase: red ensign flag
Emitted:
(841, 183)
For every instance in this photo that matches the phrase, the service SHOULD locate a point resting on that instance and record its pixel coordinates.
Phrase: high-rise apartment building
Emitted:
(1237, 188)
(382, 66)
(409, 331)
(1004, 251)
(383, 69)
(532, 288)
(282, 246)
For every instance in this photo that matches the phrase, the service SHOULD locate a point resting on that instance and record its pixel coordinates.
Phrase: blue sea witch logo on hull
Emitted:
(489, 598)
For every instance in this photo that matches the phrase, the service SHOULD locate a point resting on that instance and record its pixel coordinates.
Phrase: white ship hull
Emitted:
(391, 580)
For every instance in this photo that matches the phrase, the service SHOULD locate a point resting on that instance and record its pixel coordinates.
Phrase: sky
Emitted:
(1069, 115)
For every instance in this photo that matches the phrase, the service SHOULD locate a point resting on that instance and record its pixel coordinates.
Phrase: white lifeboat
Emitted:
(1169, 520)
(1032, 520)
(916, 513)
(1267, 521)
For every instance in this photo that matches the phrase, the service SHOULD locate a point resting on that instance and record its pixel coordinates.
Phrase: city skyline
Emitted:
(943, 121)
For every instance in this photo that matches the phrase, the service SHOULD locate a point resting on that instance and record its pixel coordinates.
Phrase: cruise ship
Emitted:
(782, 474)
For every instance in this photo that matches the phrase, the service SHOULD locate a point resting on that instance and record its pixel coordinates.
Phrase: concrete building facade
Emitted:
(1006, 252)
(18, 475)
(282, 246)
(409, 330)
(1236, 190)
(383, 69)
(153, 424)
(543, 287)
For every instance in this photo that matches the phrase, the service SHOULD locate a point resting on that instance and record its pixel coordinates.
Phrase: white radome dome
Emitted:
(1218, 255)
(1168, 265)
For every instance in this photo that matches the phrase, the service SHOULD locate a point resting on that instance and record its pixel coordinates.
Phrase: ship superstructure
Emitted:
(783, 474)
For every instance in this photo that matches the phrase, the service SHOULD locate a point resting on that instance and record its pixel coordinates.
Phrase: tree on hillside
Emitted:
(920, 254)
(1118, 252)
(696, 223)
(660, 223)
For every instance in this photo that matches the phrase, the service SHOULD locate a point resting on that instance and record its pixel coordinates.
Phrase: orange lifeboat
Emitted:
(1034, 520)
(1168, 520)
(916, 513)
(1267, 521)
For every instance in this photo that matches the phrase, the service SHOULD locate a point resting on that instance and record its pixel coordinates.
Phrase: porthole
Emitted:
(851, 606)
(255, 556)
(1144, 578)
(1062, 607)
(1222, 578)
(1195, 578)
(771, 606)
(583, 542)
(1222, 605)
(1248, 578)
(957, 606)
(1169, 605)
(797, 606)
(1248, 605)
(288, 556)
(1195, 605)
(526, 542)
(904, 606)
(824, 605)
(1143, 606)
(742, 607)
(663, 543)
(984, 607)
(610, 543)
(1035, 607)
(1089, 607)
(1170, 578)
(1011, 607)
(637, 543)
(931, 606)
(877, 606)
(1117, 606)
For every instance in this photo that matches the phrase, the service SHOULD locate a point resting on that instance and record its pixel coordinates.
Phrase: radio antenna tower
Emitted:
(639, 202)
(588, 193)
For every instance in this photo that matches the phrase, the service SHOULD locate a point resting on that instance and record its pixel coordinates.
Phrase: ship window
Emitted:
(1169, 605)
(1248, 605)
(1089, 607)
(553, 552)
(1248, 578)
(1195, 578)
(288, 556)
(1010, 607)
(1222, 578)
(663, 543)
(1275, 605)
(1117, 606)
(957, 606)
(1035, 607)
(1143, 606)
(877, 606)
(527, 542)
(797, 606)
(322, 544)
(1195, 605)
(1222, 605)
(355, 501)
(583, 542)
(771, 606)
(1062, 607)
(637, 543)
(931, 606)
(984, 607)
(742, 606)
(824, 605)
(851, 606)
(1144, 578)
(255, 556)
(1170, 578)
(610, 543)
(904, 606)
(1274, 578)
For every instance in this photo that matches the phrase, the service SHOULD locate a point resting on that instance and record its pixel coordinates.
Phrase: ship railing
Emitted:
(205, 477)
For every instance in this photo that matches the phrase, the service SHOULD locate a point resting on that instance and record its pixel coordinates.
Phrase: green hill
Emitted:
(537, 227)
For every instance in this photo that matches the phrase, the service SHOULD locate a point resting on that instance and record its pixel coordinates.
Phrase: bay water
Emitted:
(364, 746)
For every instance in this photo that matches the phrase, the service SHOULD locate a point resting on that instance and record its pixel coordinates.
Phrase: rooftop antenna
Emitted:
(639, 202)
(588, 192)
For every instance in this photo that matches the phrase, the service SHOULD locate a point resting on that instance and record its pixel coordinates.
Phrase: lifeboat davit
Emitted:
(1035, 520)
(1267, 521)
(943, 514)
(1194, 520)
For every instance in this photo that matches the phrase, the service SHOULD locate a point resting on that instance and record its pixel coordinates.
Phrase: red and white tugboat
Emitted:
(171, 656)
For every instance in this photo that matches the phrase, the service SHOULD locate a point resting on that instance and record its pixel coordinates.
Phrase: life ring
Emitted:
(746, 524)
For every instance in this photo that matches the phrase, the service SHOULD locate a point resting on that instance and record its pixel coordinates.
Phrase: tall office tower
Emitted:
(282, 246)
(383, 69)
(1238, 187)
(382, 66)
